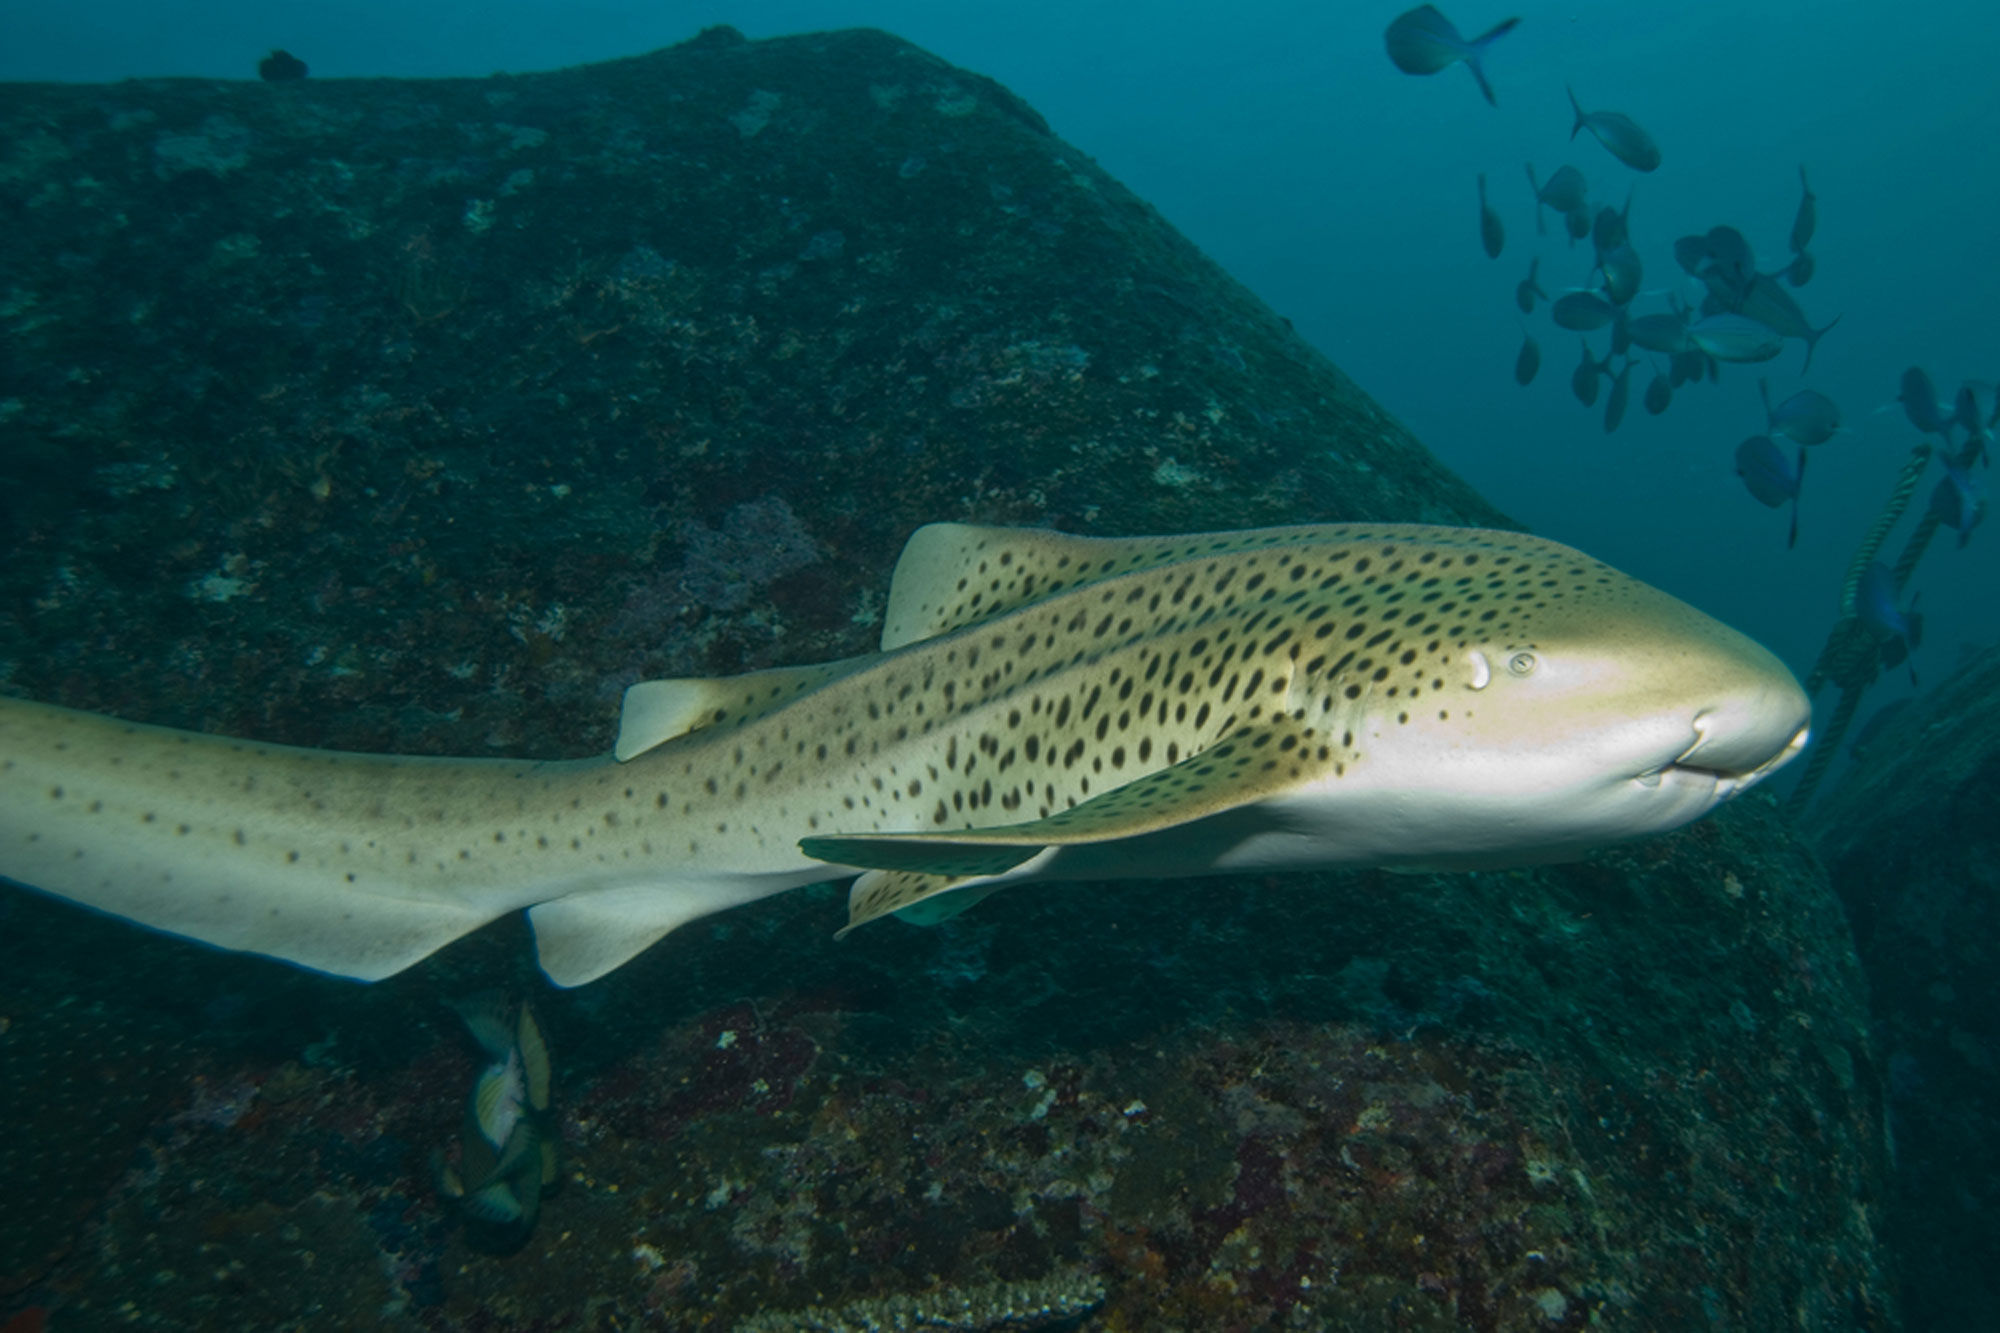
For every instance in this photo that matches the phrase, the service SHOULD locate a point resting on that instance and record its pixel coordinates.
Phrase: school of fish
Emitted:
(1724, 306)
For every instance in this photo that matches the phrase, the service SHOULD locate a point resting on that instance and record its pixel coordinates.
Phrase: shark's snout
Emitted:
(1750, 731)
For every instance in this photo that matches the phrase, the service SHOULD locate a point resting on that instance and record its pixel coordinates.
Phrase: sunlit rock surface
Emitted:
(426, 416)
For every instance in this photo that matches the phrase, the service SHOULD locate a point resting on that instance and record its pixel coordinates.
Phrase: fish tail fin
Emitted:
(1764, 392)
(1479, 77)
(1535, 188)
(1814, 335)
(1476, 48)
(1577, 107)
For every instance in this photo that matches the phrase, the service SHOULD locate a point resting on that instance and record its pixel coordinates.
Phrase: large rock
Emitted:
(1911, 837)
(426, 416)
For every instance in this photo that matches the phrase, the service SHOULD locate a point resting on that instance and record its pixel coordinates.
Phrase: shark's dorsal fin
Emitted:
(1244, 767)
(656, 711)
(951, 575)
(923, 900)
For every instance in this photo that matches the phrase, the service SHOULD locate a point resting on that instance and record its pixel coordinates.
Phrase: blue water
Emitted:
(1280, 138)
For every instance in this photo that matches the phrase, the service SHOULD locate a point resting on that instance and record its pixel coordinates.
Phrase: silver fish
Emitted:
(1730, 337)
(1691, 253)
(1423, 41)
(1492, 235)
(1807, 417)
(1620, 135)
(1775, 308)
(1666, 334)
(1577, 222)
(1581, 312)
(1565, 192)
(1806, 220)
(1771, 477)
(1622, 273)
(1529, 362)
(1920, 404)
(1529, 288)
(1730, 257)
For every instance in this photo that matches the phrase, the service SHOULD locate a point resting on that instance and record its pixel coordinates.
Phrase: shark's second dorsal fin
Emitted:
(1248, 766)
(656, 711)
(951, 575)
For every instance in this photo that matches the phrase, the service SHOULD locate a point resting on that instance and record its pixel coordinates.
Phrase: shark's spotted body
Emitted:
(1043, 707)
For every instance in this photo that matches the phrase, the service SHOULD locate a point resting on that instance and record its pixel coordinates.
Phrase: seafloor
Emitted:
(425, 416)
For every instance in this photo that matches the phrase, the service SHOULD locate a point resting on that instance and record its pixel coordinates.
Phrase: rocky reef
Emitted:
(425, 416)
(1911, 837)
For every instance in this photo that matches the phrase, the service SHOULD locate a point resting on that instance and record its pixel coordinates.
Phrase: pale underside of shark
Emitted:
(1043, 707)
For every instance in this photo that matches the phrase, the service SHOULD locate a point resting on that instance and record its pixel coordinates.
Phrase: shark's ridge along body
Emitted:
(1044, 707)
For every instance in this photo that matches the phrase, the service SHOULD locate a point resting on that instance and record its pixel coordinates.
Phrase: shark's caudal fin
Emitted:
(265, 848)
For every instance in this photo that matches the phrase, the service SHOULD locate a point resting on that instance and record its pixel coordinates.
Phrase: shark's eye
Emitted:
(1521, 664)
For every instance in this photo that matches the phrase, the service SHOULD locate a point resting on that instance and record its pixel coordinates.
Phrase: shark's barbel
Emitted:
(1043, 707)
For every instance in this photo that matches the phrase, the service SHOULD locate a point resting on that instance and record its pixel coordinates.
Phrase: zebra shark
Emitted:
(1042, 707)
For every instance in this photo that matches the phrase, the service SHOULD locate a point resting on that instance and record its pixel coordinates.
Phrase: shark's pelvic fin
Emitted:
(920, 899)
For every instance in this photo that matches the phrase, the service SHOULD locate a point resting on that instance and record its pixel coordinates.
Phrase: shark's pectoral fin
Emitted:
(923, 900)
(656, 711)
(1247, 766)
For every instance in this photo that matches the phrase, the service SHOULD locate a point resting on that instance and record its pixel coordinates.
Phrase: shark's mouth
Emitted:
(1729, 778)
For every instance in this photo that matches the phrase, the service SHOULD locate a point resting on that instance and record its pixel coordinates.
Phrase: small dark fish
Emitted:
(1581, 312)
(1771, 477)
(1659, 394)
(1807, 417)
(1666, 334)
(1875, 601)
(1621, 333)
(1622, 273)
(1565, 192)
(1691, 253)
(1529, 288)
(1806, 220)
(1730, 256)
(1611, 227)
(1614, 406)
(1577, 222)
(1423, 41)
(1959, 502)
(1529, 362)
(1878, 723)
(1491, 234)
(1583, 380)
(1965, 410)
(1689, 365)
(1619, 134)
(1800, 271)
(1920, 403)
(1729, 337)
